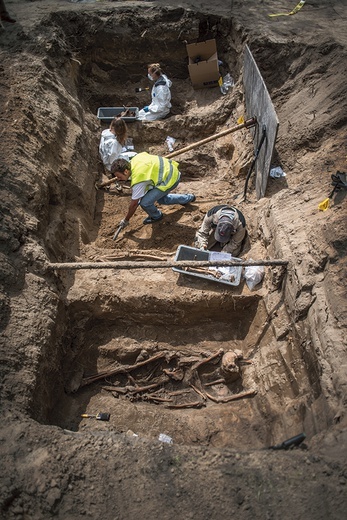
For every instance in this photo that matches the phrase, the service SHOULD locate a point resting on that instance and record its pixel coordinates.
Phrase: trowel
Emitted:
(99, 417)
(115, 236)
(141, 89)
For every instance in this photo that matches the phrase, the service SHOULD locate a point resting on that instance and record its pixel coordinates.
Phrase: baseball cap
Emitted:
(224, 230)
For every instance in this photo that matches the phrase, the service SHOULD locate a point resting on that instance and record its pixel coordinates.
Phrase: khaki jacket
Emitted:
(204, 238)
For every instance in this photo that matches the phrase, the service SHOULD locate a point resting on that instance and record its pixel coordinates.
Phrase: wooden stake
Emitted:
(120, 370)
(161, 265)
(247, 124)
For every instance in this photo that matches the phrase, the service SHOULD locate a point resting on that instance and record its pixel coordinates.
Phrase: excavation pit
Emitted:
(78, 222)
(166, 371)
(60, 62)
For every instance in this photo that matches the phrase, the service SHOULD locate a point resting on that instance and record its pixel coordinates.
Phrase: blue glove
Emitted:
(146, 109)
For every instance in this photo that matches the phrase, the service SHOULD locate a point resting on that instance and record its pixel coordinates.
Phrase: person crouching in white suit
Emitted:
(161, 95)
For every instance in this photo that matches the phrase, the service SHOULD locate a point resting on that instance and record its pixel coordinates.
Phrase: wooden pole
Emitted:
(247, 124)
(161, 265)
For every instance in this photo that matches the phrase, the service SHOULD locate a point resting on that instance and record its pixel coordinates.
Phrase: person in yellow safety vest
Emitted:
(152, 179)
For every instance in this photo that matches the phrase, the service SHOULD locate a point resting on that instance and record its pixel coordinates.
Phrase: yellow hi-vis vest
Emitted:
(161, 172)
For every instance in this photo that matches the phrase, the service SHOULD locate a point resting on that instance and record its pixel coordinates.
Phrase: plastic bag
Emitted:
(228, 82)
(254, 274)
(129, 144)
(277, 172)
(170, 141)
(231, 273)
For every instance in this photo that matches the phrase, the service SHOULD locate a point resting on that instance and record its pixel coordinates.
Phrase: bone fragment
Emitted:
(208, 360)
(231, 397)
(198, 391)
(196, 404)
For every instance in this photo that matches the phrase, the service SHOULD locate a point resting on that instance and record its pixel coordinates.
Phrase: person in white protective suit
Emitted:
(112, 146)
(161, 95)
(112, 142)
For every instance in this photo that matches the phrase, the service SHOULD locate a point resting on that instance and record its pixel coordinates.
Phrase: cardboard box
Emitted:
(203, 64)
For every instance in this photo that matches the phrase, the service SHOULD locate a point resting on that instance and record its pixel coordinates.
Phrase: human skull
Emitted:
(230, 366)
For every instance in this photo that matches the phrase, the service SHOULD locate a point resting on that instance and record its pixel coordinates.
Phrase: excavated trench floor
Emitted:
(160, 362)
(163, 371)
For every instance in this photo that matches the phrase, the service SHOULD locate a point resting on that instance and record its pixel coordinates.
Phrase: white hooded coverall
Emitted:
(161, 100)
(109, 148)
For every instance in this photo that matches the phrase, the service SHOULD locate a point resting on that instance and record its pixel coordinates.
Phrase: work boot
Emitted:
(150, 220)
(191, 199)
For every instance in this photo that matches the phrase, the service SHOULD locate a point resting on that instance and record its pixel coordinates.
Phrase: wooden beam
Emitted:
(161, 264)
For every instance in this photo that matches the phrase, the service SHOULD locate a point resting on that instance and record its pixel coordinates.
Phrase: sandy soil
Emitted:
(59, 63)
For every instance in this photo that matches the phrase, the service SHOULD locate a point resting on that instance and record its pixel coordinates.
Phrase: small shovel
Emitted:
(141, 89)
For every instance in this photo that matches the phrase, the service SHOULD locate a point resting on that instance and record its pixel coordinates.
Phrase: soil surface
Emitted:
(184, 432)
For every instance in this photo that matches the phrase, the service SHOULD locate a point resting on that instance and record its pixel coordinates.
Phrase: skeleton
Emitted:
(151, 388)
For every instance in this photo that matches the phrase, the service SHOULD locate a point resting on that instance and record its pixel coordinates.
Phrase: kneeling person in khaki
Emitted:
(223, 225)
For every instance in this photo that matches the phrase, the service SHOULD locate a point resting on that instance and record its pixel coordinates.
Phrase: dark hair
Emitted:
(120, 165)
